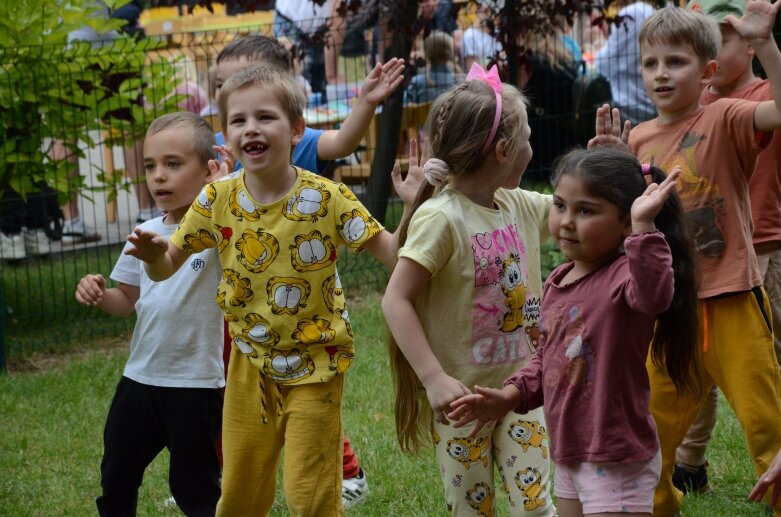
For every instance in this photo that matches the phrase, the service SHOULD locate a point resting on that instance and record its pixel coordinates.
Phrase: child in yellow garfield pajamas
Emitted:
(277, 229)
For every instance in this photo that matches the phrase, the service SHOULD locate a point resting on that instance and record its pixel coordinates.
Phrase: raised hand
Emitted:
(407, 188)
(223, 166)
(382, 80)
(440, 392)
(484, 406)
(647, 206)
(757, 20)
(609, 130)
(90, 290)
(147, 246)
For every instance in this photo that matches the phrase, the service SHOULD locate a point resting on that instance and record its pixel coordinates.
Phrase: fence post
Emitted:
(3, 310)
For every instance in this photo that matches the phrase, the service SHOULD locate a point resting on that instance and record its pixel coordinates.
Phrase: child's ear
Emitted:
(627, 230)
(709, 71)
(298, 127)
(501, 150)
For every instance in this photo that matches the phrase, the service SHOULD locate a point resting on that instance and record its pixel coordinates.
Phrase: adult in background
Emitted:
(619, 61)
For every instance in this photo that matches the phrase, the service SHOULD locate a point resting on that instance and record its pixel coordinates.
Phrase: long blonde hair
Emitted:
(458, 124)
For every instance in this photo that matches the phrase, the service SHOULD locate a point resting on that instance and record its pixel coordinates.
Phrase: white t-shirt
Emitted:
(178, 338)
(479, 45)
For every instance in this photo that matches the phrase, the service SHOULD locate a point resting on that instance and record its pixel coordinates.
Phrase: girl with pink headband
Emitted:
(463, 302)
(629, 287)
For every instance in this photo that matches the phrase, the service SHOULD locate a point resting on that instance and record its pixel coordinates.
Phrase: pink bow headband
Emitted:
(477, 73)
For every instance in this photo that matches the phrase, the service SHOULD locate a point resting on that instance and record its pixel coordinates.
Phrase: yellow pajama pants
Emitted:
(737, 355)
(305, 419)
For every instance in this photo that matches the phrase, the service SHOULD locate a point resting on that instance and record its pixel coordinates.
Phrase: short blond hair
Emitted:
(202, 140)
(281, 83)
(679, 26)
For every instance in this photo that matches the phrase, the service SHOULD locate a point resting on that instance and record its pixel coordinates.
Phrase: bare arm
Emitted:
(117, 301)
(162, 259)
(398, 305)
(756, 26)
(333, 49)
(380, 83)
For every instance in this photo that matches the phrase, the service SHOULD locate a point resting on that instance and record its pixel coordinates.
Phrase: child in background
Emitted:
(462, 303)
(716, 147)
(317, 146)
(735, 78)
(278, 230)
(170, 394)
(314, 152)
(630, 282)
(439, 75)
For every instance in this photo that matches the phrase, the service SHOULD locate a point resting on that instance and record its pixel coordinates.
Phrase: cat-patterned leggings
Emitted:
(517, 444)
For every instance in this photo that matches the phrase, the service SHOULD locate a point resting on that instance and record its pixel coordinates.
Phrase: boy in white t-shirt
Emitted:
(171, 392)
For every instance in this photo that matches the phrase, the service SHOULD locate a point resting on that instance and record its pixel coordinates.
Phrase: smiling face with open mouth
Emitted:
(674, 78)
(260, 131)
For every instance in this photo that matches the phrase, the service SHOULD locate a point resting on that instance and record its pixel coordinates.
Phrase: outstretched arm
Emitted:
(484, 406)
(756, 26)
(398, 305)
(162, 258)
(609, 130)
(380, 83)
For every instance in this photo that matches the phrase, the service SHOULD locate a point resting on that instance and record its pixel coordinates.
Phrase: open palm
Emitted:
(757, 20)
(647, 206)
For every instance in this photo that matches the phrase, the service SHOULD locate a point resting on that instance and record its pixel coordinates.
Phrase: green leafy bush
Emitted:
(49, 90)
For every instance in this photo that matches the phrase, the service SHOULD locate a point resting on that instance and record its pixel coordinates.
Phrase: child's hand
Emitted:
(609, 130)
(441, 392)
(647, 206)
(223, 166)
(90, 290)
(757, 20)
(484, 406)
(148, 246)
(407, 188)
(382, 80)
(772, 477)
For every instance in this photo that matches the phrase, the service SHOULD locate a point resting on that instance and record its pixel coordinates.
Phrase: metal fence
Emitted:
(37, 306)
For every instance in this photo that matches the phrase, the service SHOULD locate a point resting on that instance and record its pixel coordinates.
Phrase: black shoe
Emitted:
(687, 480)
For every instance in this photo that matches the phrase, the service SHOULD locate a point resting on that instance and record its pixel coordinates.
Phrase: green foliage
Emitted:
(52, 90)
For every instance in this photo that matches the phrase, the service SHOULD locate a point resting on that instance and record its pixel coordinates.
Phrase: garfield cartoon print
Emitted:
(282, 257)
(506, 313)
(519, 449)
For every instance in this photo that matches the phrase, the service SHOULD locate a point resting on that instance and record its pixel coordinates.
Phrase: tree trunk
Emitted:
(379, 187)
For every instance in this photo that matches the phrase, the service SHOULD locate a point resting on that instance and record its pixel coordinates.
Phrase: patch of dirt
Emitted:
(50, 360)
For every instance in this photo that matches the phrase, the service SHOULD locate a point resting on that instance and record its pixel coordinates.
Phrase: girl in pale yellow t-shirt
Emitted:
(463, 301)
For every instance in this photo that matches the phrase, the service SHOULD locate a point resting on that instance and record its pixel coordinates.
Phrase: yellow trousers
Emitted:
(305, 419)
(737, 355)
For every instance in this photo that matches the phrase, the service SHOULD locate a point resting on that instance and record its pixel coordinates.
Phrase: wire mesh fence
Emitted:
(77, 153)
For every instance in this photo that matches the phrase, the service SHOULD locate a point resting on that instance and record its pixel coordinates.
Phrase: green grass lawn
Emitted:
(52, 414)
